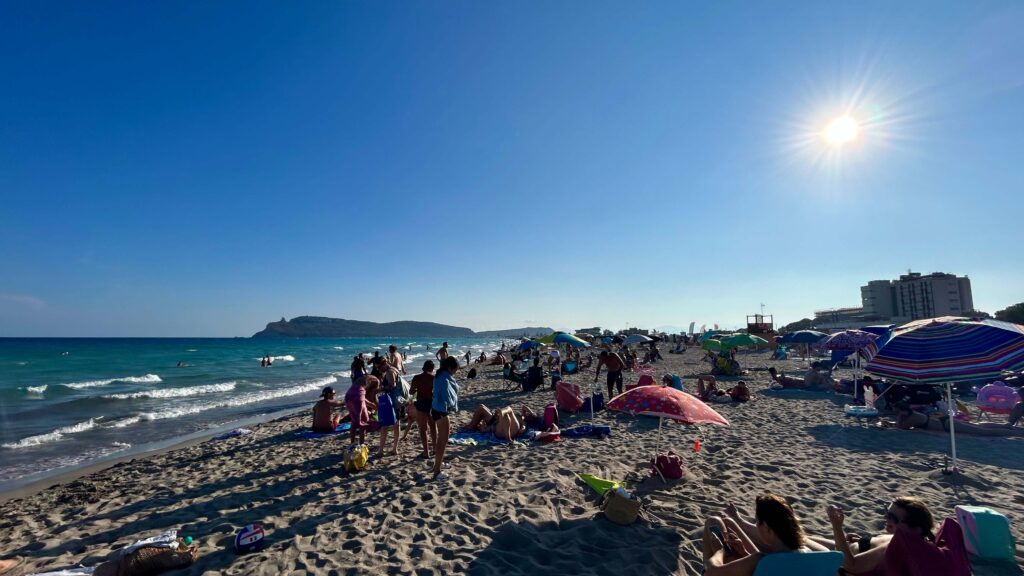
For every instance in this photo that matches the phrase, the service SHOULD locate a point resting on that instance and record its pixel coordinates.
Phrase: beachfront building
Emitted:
(912, 297)
(596, 331)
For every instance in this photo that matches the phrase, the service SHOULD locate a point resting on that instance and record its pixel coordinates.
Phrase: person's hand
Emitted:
(852, 538)
(734, 542)
(836, 516)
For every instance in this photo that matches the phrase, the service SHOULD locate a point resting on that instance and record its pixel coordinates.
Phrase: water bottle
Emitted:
(869, 397)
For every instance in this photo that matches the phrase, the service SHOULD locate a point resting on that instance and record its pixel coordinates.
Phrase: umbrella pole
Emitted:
(658, 448)
(951, 408)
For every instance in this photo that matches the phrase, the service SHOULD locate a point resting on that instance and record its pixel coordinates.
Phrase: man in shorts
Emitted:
(615, 365)
(422, 389)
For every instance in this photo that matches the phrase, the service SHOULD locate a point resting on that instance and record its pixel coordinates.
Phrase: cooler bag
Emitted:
(986, 532)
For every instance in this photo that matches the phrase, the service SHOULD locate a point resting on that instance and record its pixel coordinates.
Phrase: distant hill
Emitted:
(322, 327)
(515, 332)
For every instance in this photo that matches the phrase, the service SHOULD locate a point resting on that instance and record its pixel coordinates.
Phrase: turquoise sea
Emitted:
(70, 402)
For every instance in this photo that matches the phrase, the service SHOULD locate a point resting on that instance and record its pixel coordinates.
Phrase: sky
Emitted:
(203, 168)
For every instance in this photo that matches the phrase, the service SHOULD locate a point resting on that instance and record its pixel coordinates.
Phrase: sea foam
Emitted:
(52, 436)
(176, 392)
(147, 379)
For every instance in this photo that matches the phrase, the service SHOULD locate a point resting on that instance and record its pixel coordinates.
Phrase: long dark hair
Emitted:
(358, 363)
(450, 364)
(778, 515)
(917, 515)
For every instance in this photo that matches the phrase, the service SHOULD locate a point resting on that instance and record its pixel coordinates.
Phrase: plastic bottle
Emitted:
(869, 397)
(696, 445)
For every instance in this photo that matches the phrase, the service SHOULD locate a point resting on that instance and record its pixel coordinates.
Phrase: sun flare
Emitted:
(842, 130)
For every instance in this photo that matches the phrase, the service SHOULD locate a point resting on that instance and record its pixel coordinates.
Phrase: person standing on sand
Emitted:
(396, 359)
(615, 364)
(444, 403)
(468, 358)
(423, 388)
(359, 414)
(390, 385)
(442, 352)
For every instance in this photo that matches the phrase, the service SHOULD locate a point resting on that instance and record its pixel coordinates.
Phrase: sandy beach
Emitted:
(512, 510)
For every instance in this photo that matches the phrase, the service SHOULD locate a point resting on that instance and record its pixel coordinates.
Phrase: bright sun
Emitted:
(842, 130)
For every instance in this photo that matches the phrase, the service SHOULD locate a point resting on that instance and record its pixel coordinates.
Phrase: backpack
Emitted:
(404, 391)
(669, 465)
(550, 416)
(355, 457)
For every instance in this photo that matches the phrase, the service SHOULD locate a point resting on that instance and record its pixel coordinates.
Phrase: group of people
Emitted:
(733, 546)
(265, 362)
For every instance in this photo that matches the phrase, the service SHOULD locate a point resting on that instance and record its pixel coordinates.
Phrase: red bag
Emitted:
(550, 416)
(669, 464)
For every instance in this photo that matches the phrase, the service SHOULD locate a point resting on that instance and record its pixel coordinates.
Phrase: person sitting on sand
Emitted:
(482, 358)
(508, 371)
(729, 550)
(739, 392)
(707, 387)
(673, 381)
(909, 419)
(908, 525)
(324, 418)
(503, 423)
(781, 381)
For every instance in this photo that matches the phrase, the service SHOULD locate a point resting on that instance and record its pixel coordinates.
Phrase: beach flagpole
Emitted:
(951, 409)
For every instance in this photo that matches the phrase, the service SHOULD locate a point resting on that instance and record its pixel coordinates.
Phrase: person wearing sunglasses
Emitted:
(866, 556)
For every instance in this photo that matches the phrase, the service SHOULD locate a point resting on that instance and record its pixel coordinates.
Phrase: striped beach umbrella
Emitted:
(950, 349)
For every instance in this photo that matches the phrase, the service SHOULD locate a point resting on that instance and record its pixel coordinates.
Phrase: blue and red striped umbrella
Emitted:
(950, 349)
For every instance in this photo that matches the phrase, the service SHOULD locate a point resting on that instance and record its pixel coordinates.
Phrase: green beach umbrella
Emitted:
(564, 338)
(743, 340)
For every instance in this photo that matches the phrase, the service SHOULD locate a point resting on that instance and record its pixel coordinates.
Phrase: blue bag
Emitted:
(385, 411)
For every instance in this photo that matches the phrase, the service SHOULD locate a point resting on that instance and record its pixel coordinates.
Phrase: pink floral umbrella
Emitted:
(666, 402)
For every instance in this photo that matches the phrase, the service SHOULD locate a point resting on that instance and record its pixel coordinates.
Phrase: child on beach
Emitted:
(444, 403)
(355, 401)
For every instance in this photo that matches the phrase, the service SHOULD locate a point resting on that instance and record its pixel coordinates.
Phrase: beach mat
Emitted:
(310, 435)
(476, 439)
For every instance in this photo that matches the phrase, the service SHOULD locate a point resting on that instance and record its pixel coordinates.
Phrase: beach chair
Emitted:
(803, 563)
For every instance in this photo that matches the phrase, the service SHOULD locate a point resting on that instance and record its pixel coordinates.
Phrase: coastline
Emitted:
(509, 510)
(34, 483)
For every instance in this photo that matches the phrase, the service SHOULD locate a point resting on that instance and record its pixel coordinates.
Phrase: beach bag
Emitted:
(404, 391)
(355, 457)
(645, 380)
(568, 396)
(385, 411)
(472, 373)
(619, 508)
(550, 416)
(986, 532)
(593, 403)
(669, 465)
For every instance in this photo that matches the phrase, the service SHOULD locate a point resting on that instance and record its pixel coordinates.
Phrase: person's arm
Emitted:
(856, 563)
(598, 373)
(743, 567)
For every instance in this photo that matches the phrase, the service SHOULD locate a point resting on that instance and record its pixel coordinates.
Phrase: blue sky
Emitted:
(201, 168)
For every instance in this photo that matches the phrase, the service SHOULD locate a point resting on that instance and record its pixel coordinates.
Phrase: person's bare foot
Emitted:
(12, 567)
(732, 512)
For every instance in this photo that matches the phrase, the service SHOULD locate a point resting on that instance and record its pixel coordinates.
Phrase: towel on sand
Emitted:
(310, 435)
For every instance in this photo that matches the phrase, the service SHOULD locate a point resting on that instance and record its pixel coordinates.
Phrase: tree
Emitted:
(798, 325)
(1013, 313)
(976, 314)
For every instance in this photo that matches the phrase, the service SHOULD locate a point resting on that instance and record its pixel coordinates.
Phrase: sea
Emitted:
(70, 402)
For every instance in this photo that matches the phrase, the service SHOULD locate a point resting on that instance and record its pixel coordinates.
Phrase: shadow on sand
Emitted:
(592, 546)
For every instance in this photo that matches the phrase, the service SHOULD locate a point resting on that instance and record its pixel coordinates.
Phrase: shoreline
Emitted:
(34, 483)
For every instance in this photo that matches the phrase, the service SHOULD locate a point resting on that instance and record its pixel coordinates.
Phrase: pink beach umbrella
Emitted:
(666, 402)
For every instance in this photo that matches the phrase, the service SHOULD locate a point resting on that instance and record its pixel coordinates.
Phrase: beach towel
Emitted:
(310, 435)
(568, 396)
(803, 563)
(587, 431)
(986, 532)
(233, 434)
(76, 571)
(477, 439)
(911, 555)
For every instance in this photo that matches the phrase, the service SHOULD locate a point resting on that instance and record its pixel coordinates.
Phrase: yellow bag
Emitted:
(355, 457)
